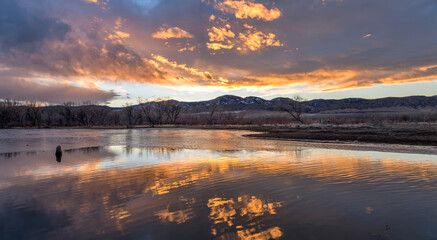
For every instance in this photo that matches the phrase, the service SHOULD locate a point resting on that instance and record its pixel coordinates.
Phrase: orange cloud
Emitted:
(220, 34)
(183, 75)
(341, 79)
(255, 40)
(187, 49)
(246, 9)
(218, 46)
(173, 32)
(103, 4)
(252, 39)
(183, 67)
(118, 36)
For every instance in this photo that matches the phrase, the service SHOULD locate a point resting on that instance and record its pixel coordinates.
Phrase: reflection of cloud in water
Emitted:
(179, 216)
(247, 212)
(369, 210)
(222, 211)
(252, 234)
(254, 207)
(164, 186)
(125, 191)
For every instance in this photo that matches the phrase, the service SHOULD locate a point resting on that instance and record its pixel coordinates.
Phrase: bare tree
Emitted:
(172, 110)
(10, 112)
(49, 115)
(154, 111)
(115, 117)
(294, 108)
(33, 113)
(100, 114)
(68, 113)
(212, 110)
(132, 115)
(84, 116)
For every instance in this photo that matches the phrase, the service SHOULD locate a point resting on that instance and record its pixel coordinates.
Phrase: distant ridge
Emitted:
(236, 103)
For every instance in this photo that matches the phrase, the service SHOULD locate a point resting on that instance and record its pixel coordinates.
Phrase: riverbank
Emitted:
(424, 134)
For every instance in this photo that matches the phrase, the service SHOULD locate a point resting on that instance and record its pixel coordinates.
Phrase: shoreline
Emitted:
(412, 136)
(399, 134)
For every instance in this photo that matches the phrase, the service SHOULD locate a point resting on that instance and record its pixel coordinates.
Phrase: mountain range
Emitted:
(236, 103)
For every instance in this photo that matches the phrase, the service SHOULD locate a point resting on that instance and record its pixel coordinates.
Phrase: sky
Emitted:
(118, 51)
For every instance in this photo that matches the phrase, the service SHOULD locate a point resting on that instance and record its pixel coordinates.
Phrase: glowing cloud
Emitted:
(246, 9)
(118, 36)
(219, 34)
(218, 46)
(173, 32)
(187, 49)
(255, 40)
(215, 44)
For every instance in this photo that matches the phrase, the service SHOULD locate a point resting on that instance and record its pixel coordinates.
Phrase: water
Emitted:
(208, 184)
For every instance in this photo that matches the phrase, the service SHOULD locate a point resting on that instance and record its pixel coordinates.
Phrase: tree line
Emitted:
(31, 114)
(153, 113)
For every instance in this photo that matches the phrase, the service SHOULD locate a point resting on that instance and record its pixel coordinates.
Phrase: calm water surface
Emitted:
(207, 184)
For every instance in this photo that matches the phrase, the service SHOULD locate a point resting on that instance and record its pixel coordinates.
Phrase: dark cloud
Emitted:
(98, 61)
(26, 29)
(321, 42)
(20, 89)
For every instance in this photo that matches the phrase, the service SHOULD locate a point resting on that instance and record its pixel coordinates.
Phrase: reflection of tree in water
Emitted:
(163, 152)
(9, 155)
(242, 218)
(84, 150)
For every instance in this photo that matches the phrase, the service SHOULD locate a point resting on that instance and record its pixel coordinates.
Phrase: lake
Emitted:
(208, 184)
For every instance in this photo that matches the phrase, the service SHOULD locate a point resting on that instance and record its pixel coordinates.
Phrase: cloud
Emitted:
(27, 30)
(110, 61)
(27, 90)
(78, 41)
(183, 67)
(219, 34)
(187, 49)
(339, 79)
(218, 46)
(184, 75)
(255, 40)
(118, 36)
(92, 1)
(252, 39)
(367, 35)
(246, 9)
(79, 54)
(173, 32)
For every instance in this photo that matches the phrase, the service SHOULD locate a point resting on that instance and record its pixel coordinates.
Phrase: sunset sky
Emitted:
(115, 51)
